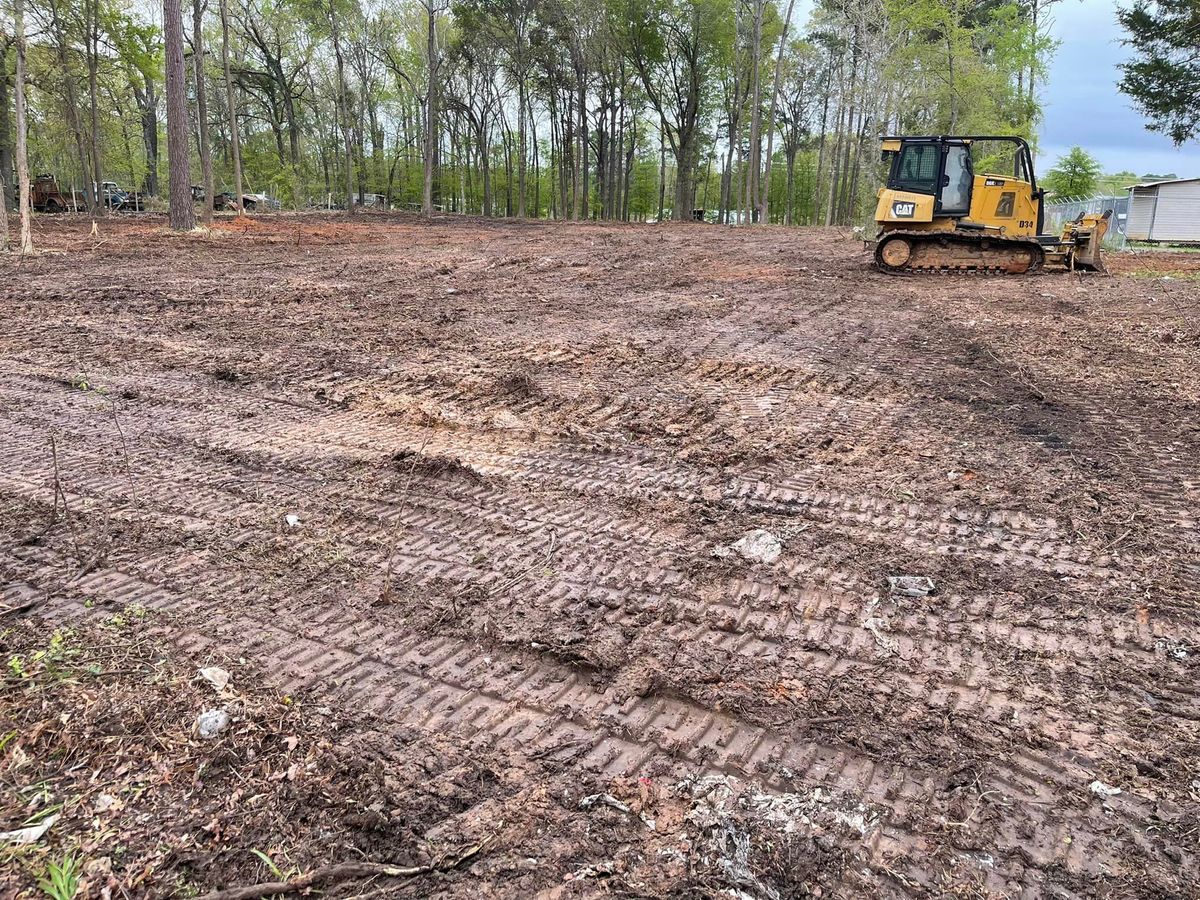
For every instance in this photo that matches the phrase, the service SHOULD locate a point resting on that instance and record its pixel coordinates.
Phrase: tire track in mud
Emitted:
(215, 469)
(620, 543)
(991, 537)
(1027, 777)
(548, 710)
(820, 610)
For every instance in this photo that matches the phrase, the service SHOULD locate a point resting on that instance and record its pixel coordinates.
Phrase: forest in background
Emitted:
(610, 109)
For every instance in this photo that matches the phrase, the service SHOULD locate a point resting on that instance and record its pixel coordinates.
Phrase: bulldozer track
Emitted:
(498, 699)
(507, 533)
(940, 248)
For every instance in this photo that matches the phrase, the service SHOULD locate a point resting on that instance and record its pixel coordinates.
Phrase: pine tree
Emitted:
(183, 214)
(1164, 76)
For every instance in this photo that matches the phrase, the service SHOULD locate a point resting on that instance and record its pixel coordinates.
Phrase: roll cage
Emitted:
(928, 177)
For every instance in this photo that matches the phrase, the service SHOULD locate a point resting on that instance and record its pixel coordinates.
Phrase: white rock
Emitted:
(212, 722)
(293, 520)
(28, 835)
(758, 545)
(911, 585)
(1100, 789)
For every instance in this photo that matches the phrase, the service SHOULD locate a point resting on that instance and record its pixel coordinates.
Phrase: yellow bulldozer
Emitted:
(937, 215)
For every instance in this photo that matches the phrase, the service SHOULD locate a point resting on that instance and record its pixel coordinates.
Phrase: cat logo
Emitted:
(903, 209)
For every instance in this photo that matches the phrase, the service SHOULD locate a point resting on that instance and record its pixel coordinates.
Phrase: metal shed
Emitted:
(1164, 211)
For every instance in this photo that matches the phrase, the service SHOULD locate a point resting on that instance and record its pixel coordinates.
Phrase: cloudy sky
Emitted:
(1083, 106)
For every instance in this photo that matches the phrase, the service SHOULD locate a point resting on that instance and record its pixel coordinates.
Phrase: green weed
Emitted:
(61, 881)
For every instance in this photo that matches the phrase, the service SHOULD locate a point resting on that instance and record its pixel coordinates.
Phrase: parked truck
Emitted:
(47, 197)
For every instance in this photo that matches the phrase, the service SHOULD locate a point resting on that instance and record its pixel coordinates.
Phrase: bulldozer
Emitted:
(936, 214)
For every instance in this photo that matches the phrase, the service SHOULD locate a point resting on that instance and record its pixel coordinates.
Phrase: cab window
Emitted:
(956, 182)
(917, 168)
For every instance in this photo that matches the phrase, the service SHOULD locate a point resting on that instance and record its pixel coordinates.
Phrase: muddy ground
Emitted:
(451, 503)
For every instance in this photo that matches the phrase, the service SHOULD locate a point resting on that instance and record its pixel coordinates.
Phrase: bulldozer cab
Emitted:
(940, 167)
(947, 182)
(944, 167)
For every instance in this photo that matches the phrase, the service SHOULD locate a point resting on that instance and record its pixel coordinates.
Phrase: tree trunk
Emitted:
(791, 185)
(522, 149)
(537, 162)
(4, 242)
(662, 169)
(727, 174)
(811, 217)
(485, 163)
(9, 198)
(950, 78)
(430, 108)
(754, 161)
(764, 204)
(347, 136)
(147, 101)
(202, 110)
(26, 245)
(93, 63)
(629, 154)
(71, 99)
(583, 199)
(183, 214)
(231, 106)
(835, 155)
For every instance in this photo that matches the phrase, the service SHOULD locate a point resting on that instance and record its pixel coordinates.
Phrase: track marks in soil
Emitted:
(554, 589)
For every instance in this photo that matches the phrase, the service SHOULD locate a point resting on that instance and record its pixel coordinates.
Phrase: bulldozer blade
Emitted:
(1087, 234)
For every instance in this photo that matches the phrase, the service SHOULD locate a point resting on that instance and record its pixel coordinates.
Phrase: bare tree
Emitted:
(206, 168)
(91, 10)
(343, 104)
(183, 214)
(22, 142)
(434, 64)
(231, 104)
(753, 162)
(764, 199)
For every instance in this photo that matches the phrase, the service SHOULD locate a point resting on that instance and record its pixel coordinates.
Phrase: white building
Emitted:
(1164, 211)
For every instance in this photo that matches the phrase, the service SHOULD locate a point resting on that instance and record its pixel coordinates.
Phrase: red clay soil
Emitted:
(462, 492)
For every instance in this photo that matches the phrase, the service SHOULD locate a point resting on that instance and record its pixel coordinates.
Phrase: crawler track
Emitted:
(959, 253)
(513, 449)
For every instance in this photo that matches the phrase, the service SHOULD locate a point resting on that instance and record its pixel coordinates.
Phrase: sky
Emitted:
(1081, 104)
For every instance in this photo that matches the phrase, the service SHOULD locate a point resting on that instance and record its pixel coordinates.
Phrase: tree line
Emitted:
(569, 109)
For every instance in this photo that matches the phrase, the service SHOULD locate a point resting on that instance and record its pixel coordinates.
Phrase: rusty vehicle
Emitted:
(224, 200)
(46, 197)
(117, 198)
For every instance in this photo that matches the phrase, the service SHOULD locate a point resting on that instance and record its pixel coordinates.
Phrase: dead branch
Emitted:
(20, 607)
(336, 873)
(1019, 374)
(60, 493)
(124, 449)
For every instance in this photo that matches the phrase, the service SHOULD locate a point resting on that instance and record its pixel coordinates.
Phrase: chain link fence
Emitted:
(1060, 212)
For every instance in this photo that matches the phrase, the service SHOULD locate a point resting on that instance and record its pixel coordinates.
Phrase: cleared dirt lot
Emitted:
(509, 453)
